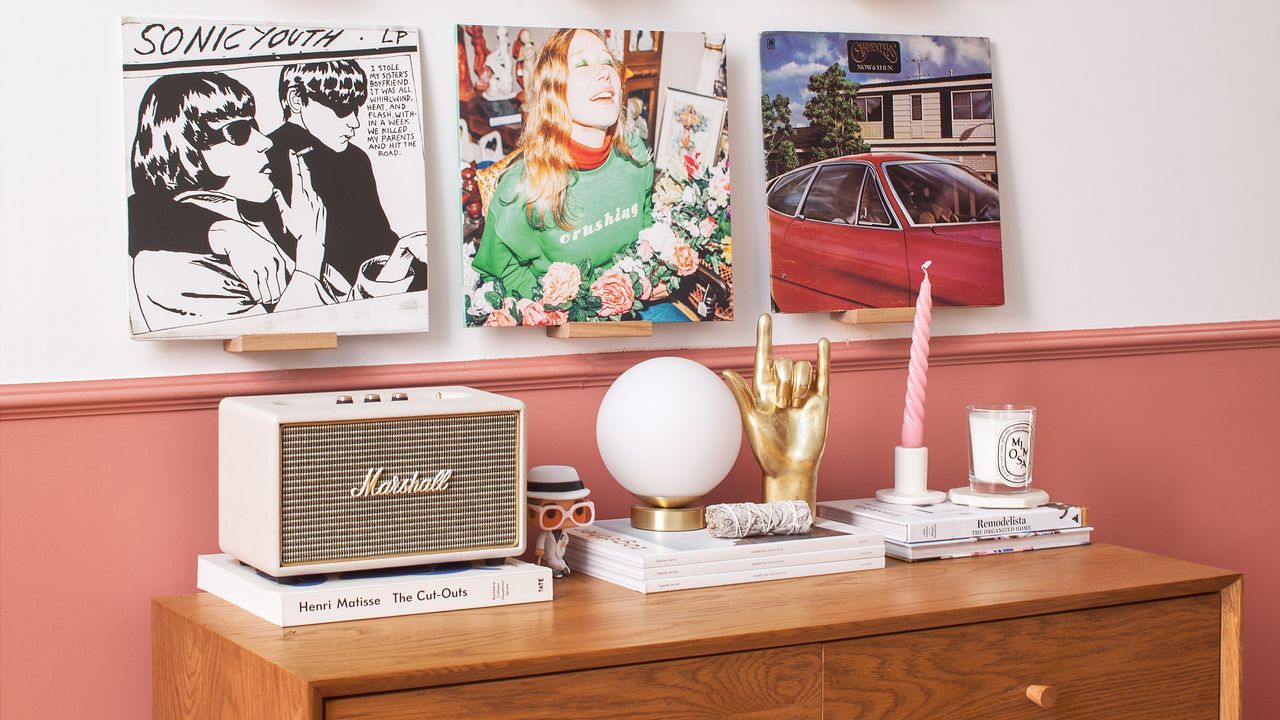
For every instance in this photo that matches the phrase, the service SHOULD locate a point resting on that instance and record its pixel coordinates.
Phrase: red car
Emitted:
(852, 232)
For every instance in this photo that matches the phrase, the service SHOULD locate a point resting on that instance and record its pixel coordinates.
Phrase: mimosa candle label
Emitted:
(1001, 447)
(1015, 454)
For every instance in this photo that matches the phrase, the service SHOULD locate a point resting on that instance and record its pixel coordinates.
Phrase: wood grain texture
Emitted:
(1232, 650)
(631, 328)
(782, 683)
(281, 341)
(594, 624)
(863, 316)
(1154, 660)
(198, 675)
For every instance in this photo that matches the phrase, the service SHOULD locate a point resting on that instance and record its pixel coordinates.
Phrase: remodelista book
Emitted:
(758, 562)
(312, 599)
(972, 547)
(948, 521)
(617, 540)
(589, 564)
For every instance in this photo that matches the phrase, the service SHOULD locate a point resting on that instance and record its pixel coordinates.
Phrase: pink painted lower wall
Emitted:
(1175, 452)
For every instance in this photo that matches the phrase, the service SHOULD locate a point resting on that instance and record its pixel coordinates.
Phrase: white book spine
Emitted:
(765, 562)
(954, 528)
(408, 597)
(635, 553)
(587, 567)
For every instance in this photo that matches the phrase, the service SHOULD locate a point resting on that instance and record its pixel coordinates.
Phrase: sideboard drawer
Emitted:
(781, 684)
(1147, 660)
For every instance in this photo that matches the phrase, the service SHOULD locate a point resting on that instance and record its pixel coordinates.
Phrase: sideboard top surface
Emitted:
(592, 623)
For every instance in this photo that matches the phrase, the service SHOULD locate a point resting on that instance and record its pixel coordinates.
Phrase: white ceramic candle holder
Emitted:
(910, 479)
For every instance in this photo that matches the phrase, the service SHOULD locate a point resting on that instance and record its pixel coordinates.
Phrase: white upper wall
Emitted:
(1130, 195)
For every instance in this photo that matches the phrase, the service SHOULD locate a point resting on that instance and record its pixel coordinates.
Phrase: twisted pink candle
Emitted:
(913, 415)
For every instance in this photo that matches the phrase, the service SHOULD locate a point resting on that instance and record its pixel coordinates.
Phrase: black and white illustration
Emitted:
(276, 179)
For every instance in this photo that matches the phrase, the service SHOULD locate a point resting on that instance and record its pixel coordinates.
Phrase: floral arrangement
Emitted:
(690, 228)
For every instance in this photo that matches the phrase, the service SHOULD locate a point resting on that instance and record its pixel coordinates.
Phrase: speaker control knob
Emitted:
(373, 397)
(399, 396)
(344, 399)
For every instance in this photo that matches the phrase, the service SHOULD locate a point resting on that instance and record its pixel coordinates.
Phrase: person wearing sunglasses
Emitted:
(200, 251)
(322, 104)
(557, 501)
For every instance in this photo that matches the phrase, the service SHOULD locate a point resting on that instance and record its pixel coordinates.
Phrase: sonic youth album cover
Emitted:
(276, 179)
(880, 156)
(595, 176)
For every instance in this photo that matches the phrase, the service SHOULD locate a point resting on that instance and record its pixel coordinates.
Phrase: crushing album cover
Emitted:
(595, 176)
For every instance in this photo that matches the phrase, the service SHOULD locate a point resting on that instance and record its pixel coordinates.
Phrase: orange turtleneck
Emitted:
(589, 158)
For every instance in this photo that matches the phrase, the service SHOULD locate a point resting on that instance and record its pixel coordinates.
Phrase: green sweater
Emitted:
(610, 205)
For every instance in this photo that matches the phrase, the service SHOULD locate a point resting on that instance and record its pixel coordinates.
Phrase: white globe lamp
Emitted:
(669, 431)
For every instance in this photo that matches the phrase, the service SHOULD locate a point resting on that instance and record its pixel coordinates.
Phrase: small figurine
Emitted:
(526, 54)
(556, 502)
(502, 72)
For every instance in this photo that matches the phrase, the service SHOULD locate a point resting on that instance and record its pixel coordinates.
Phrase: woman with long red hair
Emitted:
(581, 186)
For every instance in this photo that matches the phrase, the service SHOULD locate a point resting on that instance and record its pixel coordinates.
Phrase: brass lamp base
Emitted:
(678, 519)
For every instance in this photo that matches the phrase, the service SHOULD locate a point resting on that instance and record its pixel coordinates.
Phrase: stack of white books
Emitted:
(947, 530)
(312, 599)
(648, 562)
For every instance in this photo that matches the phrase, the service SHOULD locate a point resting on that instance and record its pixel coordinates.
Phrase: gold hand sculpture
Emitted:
(785, 417)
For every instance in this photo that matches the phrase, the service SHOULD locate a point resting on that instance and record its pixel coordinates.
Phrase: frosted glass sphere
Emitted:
(669, 428)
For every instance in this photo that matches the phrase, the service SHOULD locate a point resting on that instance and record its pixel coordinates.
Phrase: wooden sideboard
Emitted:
(1106, 631)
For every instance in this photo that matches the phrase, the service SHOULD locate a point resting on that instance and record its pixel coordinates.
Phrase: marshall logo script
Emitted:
(875, 56)
(374, 484)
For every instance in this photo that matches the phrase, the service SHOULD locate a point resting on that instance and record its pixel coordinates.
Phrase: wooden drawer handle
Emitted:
(1043, 695)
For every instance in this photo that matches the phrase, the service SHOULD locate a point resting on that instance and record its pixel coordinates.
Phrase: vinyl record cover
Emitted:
(275, 179)
(880, 155)
(595, 176)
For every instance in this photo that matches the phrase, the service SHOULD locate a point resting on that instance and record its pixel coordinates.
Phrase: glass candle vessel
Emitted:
(1001, 442)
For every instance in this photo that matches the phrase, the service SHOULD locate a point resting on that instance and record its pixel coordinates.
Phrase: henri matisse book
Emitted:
(972, 547)
(948, 521)
(595, 566)
(312, 599)
(622, 544)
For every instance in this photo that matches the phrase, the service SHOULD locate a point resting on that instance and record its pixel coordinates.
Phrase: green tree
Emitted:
(779, 136)
(831, 108)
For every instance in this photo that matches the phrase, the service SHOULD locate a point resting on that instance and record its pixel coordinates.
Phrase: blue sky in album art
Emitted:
(785, 69)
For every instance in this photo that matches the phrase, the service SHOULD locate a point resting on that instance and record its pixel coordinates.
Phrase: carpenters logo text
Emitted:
(374, 484)
(875, 56)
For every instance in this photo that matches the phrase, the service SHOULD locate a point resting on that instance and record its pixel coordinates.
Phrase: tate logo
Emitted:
(1015, 454)
(374, 484)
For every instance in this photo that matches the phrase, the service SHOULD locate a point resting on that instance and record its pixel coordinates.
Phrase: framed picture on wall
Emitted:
(690, 127)
(276, 179)
(572, 219)
(877, 160)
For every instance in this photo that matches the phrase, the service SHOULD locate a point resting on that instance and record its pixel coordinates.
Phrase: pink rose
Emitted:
(644, 250)
(561, 283)
(684, 258)
(706, 227)
(500, 318)
(533, 313)
(615, 293)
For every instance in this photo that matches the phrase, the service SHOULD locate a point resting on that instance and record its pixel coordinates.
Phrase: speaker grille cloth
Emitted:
(322, 462)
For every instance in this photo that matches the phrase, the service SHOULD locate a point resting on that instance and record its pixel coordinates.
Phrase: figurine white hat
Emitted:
(555, 482)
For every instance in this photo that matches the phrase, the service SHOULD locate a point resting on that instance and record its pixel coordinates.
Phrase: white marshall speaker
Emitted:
(332, 482)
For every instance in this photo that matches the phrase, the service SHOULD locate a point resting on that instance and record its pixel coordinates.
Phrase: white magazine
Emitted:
(948, 521)
(588, 564)
(971, 547)
(619, 541)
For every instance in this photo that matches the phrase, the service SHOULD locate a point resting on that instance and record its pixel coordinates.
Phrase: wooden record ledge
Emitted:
(1095, 632)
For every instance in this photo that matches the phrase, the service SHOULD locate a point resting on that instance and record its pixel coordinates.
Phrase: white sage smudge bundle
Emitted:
(739, 520)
